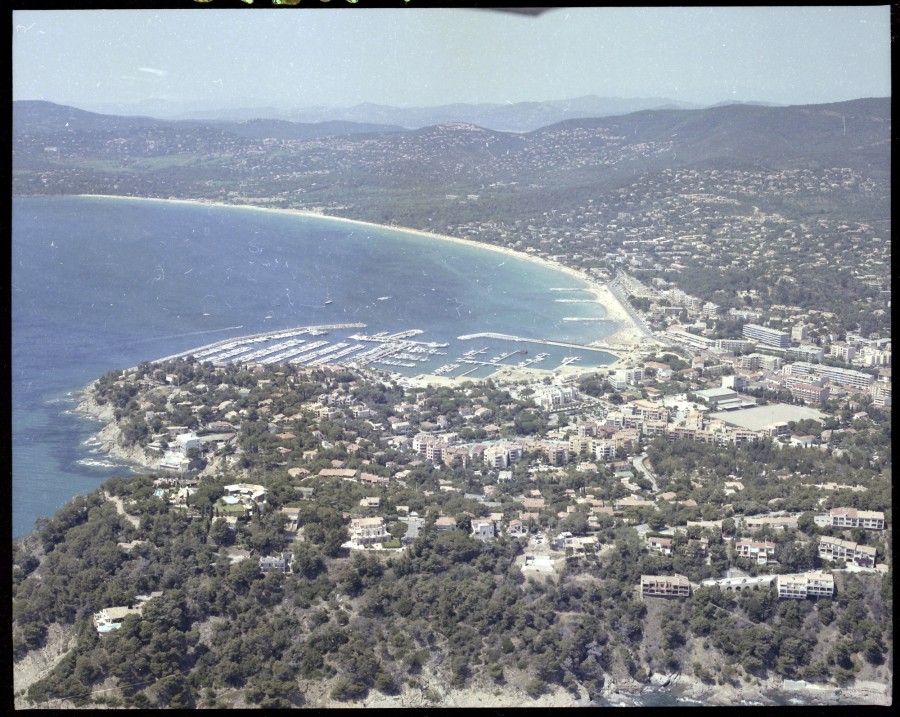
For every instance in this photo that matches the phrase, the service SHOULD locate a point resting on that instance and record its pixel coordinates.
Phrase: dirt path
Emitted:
(121, 509)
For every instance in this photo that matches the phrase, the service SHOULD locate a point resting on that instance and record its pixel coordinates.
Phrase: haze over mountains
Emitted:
(842, 134)
(504, 117)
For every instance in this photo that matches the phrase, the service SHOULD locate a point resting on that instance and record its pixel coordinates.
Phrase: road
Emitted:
(639, 465)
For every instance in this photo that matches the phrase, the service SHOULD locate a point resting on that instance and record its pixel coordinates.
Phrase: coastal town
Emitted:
(572, 466)
(698, 503)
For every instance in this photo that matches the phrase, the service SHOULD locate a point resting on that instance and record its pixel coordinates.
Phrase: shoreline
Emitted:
(601, 294)
(108, 436)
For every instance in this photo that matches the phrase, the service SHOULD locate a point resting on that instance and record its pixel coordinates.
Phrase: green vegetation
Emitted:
(223, 632)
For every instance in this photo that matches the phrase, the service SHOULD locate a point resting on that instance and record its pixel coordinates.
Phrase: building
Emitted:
(373, 479)
(604, 450)
(665, 586)
(799, 333)
(556, 396)
(842, 351)
(483, 529)
(444, 524)
(111, 618)
(281, 562)
(368, 531)
(803, 585)
(187, 442)
(517, 527)
(781, 522)
(832, 374)
(837, 549)
(713, 397)
(810, 393)
(806, 352)
(660, 545)
(557, 453)
(760, 553)
(853, 518)
(881, 394)
(734, 344)
(767, 336)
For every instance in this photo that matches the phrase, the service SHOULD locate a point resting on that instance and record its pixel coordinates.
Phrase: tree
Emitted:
(220, 532)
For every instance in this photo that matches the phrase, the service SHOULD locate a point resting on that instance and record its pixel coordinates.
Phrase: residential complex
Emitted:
(764, 335)
(665, 586)
(853, 518)
(837, 549)
(803, 585)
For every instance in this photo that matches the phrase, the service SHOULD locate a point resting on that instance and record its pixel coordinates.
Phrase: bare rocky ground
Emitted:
(38, 663)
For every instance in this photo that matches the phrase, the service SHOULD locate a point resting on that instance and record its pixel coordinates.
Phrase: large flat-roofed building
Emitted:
(839, 376)
(766, 418)
(803, 585)
(714, 396)
(853, 518)
(665, 586)
(764, 335)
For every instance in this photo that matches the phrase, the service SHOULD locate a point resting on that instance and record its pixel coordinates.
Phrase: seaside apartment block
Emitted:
(832, 374)
(853, 518)
(760, 552)
(837, 549)
(767, 336)
(665, 586)
(800, 586)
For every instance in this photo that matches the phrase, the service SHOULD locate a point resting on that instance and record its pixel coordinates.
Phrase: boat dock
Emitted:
(201, 352)
(545, 342)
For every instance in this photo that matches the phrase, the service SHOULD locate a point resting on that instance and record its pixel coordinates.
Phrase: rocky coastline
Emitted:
(108, 437)
(773, 691)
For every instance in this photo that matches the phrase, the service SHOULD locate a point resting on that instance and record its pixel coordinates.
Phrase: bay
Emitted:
(101, 283)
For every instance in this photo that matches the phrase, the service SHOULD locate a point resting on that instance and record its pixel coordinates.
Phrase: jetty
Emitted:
(232, 343)
(544, 342)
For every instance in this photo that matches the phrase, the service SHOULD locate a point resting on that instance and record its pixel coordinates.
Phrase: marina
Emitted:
(382, 349)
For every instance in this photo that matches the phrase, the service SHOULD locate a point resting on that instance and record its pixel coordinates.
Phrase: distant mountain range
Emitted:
(508, 117)
(40, 116)
(581, 151)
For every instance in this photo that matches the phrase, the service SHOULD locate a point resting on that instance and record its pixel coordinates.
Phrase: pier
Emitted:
(231, 343)
(544, 342)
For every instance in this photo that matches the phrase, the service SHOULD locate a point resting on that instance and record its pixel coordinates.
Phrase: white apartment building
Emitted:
(853, 518)
(765, 335)
(837, 549)
(803, 585)
(760, 552)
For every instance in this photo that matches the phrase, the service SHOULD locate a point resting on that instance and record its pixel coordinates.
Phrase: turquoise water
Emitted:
(101, 283)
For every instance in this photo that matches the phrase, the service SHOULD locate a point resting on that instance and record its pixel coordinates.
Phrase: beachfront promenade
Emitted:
(616, 290)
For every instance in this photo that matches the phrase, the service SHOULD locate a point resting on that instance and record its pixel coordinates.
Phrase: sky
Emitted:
(419, 57)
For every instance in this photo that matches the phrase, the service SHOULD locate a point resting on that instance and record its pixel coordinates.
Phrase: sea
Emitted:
(101, 283)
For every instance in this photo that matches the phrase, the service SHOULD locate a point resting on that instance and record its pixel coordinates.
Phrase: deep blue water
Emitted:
(100, 283)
